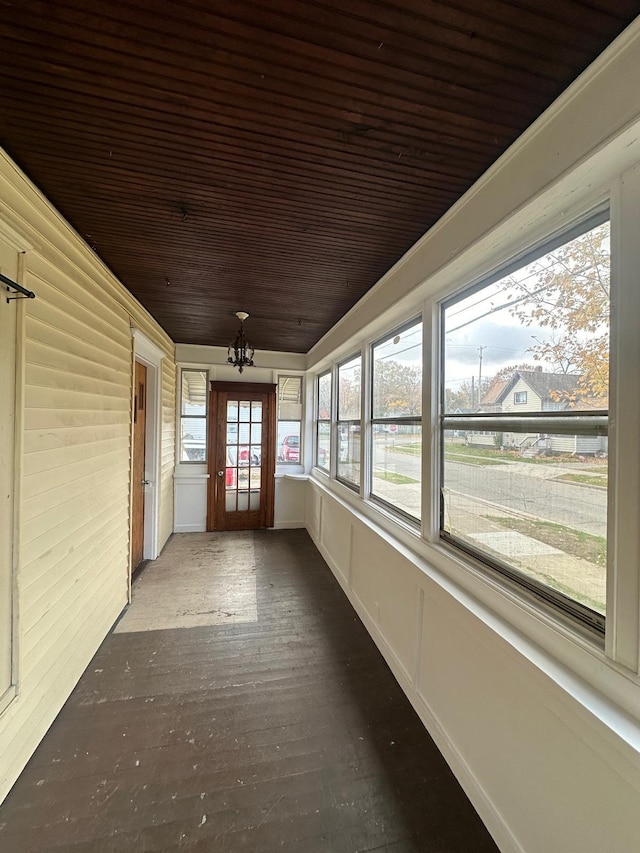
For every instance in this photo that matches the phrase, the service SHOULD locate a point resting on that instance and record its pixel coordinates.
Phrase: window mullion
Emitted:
(623, 587)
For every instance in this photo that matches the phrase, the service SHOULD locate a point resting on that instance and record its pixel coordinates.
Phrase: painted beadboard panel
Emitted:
(73, 559)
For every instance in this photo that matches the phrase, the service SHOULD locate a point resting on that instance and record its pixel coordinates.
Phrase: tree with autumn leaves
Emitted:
(567, 292)
(397, 390)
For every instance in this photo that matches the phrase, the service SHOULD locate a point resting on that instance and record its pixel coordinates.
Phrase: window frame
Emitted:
(521, 402)
(204, 417)
(596, 422)
(349, 422)
(405, 420)
(299, 421)
(327, 420)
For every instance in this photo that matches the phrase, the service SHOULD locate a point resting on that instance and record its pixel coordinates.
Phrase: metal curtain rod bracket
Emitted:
(14, 287)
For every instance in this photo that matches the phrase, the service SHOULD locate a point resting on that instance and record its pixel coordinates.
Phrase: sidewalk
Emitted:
(578, 578)
(468, 517)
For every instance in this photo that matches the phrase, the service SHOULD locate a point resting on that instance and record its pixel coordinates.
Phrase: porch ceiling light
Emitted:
(241, 352)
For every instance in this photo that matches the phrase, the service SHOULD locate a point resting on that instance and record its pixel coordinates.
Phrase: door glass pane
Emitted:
(243, 456)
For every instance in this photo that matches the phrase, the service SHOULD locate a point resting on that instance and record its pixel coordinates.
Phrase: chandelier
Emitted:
(241, 352)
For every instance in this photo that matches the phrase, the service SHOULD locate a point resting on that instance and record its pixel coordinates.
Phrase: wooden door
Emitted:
(242, 450)
(139, 482)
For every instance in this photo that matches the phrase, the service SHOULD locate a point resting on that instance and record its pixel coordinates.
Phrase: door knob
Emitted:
(145, 482)
(220, 473)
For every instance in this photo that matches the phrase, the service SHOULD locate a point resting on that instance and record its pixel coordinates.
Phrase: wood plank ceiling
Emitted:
(275, 157)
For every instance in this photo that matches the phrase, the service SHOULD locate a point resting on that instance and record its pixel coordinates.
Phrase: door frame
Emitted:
(14, 240)
(269, 469)
(147, 353)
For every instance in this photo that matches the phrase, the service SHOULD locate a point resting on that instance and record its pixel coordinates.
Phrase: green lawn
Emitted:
(394, 477)
(510, 455)
(470, 460)
(585, 479)
(574, 542)
(414, 449)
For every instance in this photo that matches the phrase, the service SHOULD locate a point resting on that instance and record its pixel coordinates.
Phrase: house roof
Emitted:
(545, 385)
(275, 157)
(493, 393)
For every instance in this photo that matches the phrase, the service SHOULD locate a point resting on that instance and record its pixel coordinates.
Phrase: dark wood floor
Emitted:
(285, 734)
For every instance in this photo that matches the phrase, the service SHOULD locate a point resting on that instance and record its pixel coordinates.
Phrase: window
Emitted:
(348, 426)
(193, 416)
(289, 419)
(396, 419)
(526, 491)
(323, 425)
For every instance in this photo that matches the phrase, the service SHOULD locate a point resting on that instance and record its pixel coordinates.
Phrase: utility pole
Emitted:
(480, 351)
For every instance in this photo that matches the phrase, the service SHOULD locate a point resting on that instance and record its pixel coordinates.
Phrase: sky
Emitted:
(484, 322)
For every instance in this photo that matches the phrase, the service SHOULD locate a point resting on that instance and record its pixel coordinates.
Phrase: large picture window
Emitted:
(193, 416)
(396, 419)
(524, 421)
(349, 422)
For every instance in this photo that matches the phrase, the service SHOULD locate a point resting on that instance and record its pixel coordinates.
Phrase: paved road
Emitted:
(580, 507)
(520, 486)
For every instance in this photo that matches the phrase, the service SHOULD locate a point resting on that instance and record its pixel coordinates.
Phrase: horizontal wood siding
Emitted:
(73, 557)
(533, 402)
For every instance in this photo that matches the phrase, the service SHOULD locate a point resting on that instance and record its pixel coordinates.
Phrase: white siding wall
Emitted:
(533, 404)
(72, 559)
